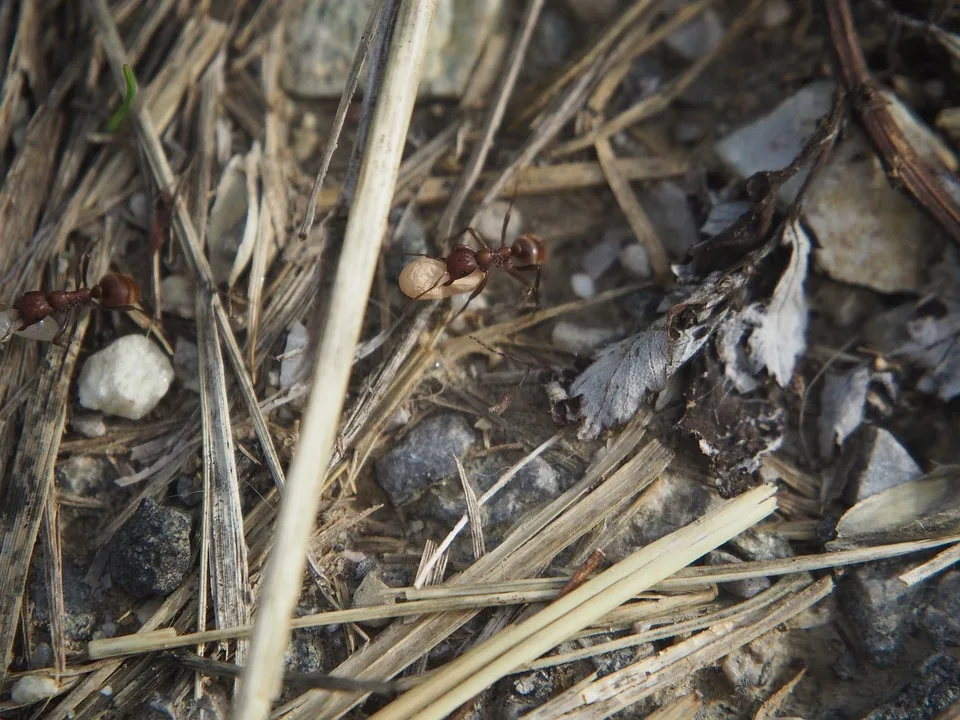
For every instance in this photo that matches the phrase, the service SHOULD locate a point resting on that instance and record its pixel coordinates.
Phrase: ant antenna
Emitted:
(506, 218)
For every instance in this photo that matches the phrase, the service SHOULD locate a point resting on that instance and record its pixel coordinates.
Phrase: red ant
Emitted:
(115, 291)
(527, 252)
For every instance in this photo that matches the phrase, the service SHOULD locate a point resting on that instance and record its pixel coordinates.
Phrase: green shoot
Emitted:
(114, 123)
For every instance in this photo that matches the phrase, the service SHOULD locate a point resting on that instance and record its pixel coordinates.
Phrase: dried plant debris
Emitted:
(842, 405)
(634, 370)
(925, 507)
(932, 330)
(732, 431)
(775, 331)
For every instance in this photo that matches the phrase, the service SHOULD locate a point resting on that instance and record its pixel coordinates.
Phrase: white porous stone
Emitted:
(127, 378)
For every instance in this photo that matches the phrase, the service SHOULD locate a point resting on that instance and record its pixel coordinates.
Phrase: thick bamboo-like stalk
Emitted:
(365, 229)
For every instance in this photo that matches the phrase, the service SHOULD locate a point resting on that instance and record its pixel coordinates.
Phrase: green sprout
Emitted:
(114, 123)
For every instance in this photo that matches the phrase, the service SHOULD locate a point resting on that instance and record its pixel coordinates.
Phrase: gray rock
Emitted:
(81, 616)
(672, 502)
(185, 357)
(873, 460)
(370, 592)
(151, 553)
(757, 544)
(669, 211)
(941, 616)
(741, 588)
(935, 688)
(879, 608)
(772, 141)
(698, 37)
(424, 456)
(552, 42)
(536, 484)
(321, 41)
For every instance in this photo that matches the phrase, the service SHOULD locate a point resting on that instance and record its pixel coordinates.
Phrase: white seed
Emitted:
(424, 277)
(32, 688)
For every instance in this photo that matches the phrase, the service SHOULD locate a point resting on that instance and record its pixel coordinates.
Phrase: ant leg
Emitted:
(506, 218)
(477, 291)
(82, 267)
(436, 283)
(535, 291)
(476, 236)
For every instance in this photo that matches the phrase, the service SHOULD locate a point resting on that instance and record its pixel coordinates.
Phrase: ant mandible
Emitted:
(115, 291)
(526, 252)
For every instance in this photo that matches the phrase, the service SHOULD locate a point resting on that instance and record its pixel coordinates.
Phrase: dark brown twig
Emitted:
(299, 679)
(904, 166)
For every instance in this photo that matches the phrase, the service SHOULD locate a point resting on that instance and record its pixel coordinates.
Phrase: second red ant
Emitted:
(527, 252)
(115, 291)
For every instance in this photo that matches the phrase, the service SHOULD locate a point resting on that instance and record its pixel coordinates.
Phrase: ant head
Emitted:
(461, 261)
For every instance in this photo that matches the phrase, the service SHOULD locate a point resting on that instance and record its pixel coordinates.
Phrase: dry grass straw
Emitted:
(546, 180)
(656, 103)
(617, 691)
(223, 536)
(495, 112)
(365, 229)
(30, 495)
(468, 675)
(532, 544)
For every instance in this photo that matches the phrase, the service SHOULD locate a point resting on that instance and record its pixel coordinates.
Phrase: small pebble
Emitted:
(744, 589)
(698, 37)
(185, 358)
(127, 378)
(291, 368)
(89, 425)
(150, 554)
(177, 296)
(33, 688)
(139, 207)
(775, 13)
(490, 224)
(601, 257)
(42, 656)
(634, 259)
(583, 285)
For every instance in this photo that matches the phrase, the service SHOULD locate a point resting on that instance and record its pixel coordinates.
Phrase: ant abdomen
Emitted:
(528, 250)
(116, 290)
